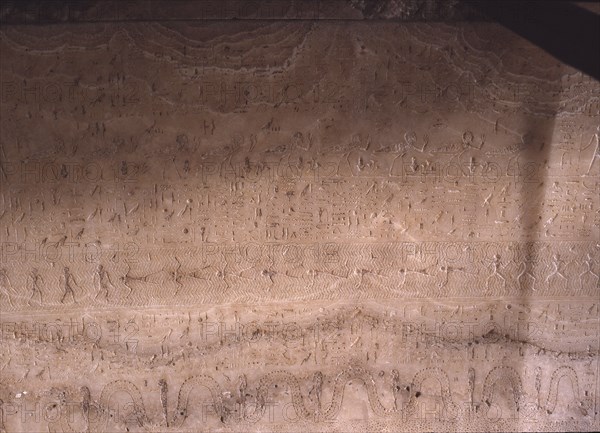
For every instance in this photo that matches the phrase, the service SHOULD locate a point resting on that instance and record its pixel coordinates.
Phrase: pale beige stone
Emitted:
(298, 226)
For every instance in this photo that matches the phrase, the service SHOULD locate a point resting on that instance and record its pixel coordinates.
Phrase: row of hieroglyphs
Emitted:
(368, 208)
(547, 356)
(438, 155)
(399, 167)
(205, 75)
(356, 193)
(73, 272)
(210, 226)
(542, 324)
(227, 95)
(382, 213)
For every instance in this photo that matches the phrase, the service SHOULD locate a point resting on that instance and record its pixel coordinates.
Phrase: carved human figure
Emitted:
(396, 387)
(6, 286)
(68, 283)
(414, 165)
(359, 274)
(317, 391)
(589, 265)
(102, 282)
(36, 281)
(538, 385)
(557, 265)
(446, 270)
(269, 273)
(261, 398)
(525, 271)
(471, 375)
(313, 274)
(468, 139)
(176, 276)
(164, 391)
(468, 144)
(411, 141)
(302, 142)
(402, 275)
(2, 428)
(126, 279)
(496, 265)
(86, 400)
(596, 155)
(242, 386)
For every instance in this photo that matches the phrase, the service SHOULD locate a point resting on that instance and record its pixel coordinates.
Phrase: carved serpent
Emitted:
(98, 423)
(557, 375)
(329, 412)
(181, 412)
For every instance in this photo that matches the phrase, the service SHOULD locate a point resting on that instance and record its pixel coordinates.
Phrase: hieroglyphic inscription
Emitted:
(252, 216)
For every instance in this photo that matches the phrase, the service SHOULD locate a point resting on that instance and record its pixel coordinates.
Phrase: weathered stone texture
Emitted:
(282, 223)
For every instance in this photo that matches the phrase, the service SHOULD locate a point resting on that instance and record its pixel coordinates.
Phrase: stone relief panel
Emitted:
(297, 220)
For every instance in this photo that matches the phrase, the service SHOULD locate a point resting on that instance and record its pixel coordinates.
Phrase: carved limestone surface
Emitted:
(228, 216)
